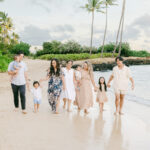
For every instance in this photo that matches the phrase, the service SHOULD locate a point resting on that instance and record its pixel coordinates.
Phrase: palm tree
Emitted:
(92, 6)
(6, 25)
(121, 25)
(15, 38)
(106, 3)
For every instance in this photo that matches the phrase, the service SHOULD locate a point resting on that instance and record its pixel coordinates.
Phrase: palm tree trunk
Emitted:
(118, 31)
(120, 45)
(91, 43)
(105, 32)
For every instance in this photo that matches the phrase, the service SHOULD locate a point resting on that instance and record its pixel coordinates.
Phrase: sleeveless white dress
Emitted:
(69, 93)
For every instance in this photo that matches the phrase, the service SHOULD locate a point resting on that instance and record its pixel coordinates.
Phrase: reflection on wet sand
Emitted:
(99, 127)
(82, 128)
(115, 140)
(98, 133)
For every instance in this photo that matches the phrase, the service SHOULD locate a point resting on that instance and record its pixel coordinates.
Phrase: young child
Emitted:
(37, 95)
(78, 78)
(101, 94)
(16, 66)
(78, 73)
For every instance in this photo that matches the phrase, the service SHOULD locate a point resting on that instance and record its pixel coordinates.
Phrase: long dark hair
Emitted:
(52, 70)
(100, 85)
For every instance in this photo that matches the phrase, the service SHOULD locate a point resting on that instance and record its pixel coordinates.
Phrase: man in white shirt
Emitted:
(18, 83)
(121, 76)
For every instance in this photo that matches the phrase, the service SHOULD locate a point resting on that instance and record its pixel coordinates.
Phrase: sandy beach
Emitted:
(69, 131)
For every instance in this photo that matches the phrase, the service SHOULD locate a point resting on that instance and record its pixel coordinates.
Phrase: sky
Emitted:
(38, 21)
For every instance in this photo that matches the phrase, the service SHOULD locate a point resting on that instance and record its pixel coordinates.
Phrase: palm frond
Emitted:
(101, 11)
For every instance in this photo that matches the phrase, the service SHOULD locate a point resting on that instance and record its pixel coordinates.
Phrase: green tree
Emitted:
(71, 47)
(47, 47)
(6, 26)
(24, 47)
(107, 3)
(91, 7)
(55, 47)
(15, 38)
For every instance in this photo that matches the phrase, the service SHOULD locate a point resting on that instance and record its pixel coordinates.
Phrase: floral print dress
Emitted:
(55, 86)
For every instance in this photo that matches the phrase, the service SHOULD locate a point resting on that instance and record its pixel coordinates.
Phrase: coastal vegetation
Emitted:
(10, 43)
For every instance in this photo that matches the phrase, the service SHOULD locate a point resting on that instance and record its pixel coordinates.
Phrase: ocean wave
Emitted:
(134, 98)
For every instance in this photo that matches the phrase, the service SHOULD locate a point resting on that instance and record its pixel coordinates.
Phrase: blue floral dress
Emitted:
(55, 86)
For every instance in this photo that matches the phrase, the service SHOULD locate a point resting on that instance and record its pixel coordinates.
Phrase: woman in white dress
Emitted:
(69, 93)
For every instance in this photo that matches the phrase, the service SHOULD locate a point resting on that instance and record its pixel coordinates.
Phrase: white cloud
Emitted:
(34, 35)
(64, 19)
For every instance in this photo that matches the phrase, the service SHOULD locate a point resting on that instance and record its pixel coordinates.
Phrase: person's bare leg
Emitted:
(121, 103)
(57, 106)
(65, 100)
(86, 111)
(38, 105)
(78, 108)
(69, 106)
(117, 103)
(101, 107)
(35, 108)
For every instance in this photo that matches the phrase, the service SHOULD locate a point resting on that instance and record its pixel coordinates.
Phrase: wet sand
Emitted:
(69, 131)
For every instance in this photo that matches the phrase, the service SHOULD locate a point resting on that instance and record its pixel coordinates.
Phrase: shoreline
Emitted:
(104, 64)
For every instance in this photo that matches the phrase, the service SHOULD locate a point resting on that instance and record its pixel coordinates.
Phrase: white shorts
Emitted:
(118, 91)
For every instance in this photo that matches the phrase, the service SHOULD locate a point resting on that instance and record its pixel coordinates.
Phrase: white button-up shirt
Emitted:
(121, 77)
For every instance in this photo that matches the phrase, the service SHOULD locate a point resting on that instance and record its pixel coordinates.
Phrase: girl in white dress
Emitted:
(69, 93)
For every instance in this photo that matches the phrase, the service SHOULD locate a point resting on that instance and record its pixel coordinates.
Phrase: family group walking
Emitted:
(69, 85)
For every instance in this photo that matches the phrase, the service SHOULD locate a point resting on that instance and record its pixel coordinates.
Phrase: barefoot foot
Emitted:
(86, 112)
(101, 111)
(16, 109)
(69, 110)
(120, 113)
(24, 112)
(116, 113)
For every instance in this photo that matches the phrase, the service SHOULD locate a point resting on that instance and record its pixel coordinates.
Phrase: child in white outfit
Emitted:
(37, 95)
